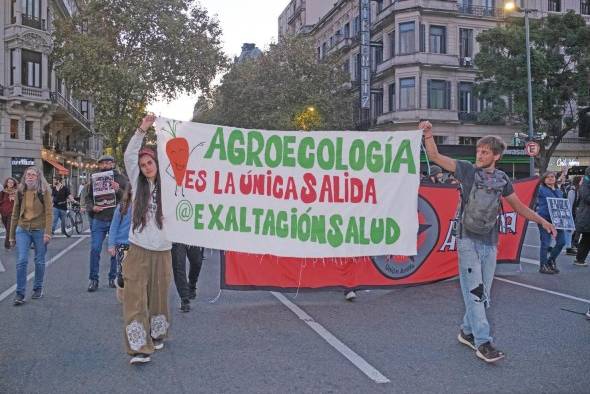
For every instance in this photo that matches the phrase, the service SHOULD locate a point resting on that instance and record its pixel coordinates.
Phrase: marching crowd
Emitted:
(143, 261)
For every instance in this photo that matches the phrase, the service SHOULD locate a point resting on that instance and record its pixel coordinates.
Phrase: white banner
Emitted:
(290, 193)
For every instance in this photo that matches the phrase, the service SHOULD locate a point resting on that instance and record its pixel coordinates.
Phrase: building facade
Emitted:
(41, 122)
(422, 66)
(301, 15)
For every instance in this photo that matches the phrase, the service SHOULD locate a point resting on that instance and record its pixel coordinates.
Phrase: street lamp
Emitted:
(512, 7)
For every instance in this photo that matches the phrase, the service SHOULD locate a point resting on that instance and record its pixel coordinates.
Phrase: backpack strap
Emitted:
(40, 196)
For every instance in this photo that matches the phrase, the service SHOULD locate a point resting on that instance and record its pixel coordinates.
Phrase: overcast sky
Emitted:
(241, 21)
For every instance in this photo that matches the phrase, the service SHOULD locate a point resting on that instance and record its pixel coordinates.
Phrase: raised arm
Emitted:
(131, 158)
(445, 162)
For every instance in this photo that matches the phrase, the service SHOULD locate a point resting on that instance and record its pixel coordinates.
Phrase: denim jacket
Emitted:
(119, 230)
(542, 206)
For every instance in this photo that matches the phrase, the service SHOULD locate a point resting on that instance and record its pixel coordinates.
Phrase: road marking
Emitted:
(47, 264)
(544, 290)
(530, 261)
(60, 236)
(354, 358)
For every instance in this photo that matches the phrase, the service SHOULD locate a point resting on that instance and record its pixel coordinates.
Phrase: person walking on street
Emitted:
(147, 271)
(119, 236)
(583, 221)
(7, 196)
(571, 237)
(31, 224)
(548, 189)
(100, 223)
(477, 234)
(61, 195)
(187, 290)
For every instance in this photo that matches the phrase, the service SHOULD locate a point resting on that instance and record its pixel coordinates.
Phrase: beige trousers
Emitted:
(147, 276)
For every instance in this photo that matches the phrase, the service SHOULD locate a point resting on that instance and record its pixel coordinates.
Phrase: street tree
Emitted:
(124, 54)
(277, 89)
(560, 69)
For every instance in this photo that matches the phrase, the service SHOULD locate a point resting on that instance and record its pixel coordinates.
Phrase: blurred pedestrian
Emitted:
(436, 175)
(548, 189)
(31, 224)
(7, 196)
(61, 195)
(583, 220)
(187, 290)
(571, 243)
(118, 243)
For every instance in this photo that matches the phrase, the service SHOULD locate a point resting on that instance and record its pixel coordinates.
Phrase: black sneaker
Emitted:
(488, 353)
(546, 269)
(19, 299)
(112, 283)
(37, 293)
(92, 285)
(185, 306)
(467, 340)
(192, 293)
(140, 359)
(553, 267)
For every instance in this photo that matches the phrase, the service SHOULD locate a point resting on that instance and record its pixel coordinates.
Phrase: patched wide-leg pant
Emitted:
(146, 316)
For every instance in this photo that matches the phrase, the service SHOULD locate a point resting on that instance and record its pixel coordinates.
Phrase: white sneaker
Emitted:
(140, 359)
(580, 263)
(351, 295)
(158, 344)
(588, 314)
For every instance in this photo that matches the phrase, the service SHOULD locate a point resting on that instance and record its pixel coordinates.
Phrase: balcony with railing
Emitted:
(34, 22)
(481, 11)
(469, 117)
(60, 100)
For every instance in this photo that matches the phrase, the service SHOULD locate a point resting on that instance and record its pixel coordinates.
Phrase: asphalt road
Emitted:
(71, 341)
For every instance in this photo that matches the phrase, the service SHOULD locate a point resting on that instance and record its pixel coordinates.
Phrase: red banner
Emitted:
(436, 259)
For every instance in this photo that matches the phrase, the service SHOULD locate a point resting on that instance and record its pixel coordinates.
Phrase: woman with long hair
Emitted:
(148, 267)
(7, 196)
(548, 189)
(31, 223)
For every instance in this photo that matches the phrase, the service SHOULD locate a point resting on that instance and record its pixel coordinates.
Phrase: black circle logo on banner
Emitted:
(399, 267)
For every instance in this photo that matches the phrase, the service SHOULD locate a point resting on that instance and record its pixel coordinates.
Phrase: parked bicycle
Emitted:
(74, 216)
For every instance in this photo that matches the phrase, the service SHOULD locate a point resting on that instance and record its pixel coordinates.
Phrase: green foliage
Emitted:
(271, 91)
(560, 69)
(125, 54)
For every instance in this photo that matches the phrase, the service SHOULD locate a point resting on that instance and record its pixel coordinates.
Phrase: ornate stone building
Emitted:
(422, 59)
(41, 122)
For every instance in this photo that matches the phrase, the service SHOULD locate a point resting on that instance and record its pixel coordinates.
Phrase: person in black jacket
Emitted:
(101, 222)
(583, 220)
(61, 195)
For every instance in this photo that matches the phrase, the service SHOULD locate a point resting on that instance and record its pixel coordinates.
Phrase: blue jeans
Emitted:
(59, 214)
(568, 238)
(477, 265)
(98, 232)
(23, 239)
(546, 242)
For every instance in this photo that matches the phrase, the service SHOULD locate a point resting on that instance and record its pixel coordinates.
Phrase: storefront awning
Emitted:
(61, 170)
